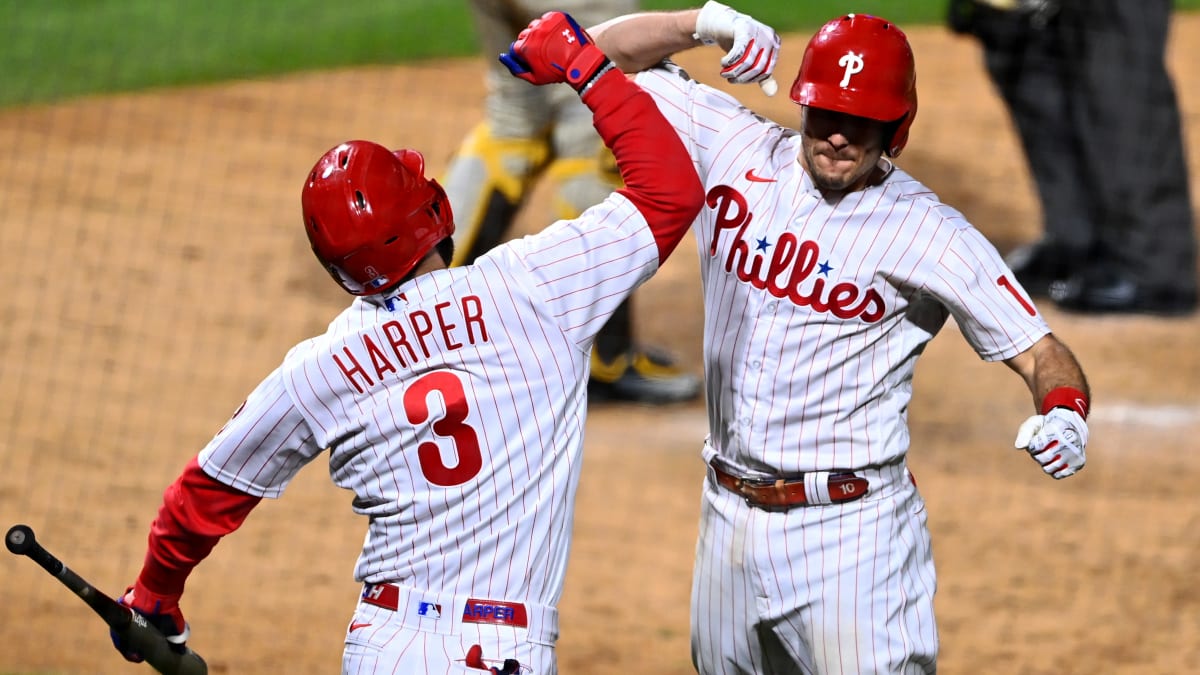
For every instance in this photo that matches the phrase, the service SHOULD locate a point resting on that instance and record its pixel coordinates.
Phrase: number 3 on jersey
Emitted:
(452, 425)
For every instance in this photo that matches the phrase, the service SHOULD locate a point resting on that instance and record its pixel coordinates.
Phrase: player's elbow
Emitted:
(675, 202)
(671, 209)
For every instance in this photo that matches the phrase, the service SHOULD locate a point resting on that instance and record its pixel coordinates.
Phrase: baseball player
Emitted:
(450, 401)
(826, 270)
(530, 133)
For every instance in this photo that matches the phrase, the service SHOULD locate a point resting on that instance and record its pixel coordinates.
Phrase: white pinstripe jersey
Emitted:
(453, 408)
(816, 310)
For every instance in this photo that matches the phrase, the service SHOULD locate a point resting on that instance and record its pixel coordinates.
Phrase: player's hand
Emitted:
(554, 49)
(162, 611)
(752, 46)
(1056, 441)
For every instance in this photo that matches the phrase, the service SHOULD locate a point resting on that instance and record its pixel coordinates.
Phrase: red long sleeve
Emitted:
(196, 512)
(658, 172)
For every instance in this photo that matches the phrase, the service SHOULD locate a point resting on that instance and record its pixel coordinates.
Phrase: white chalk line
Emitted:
(1142, 414)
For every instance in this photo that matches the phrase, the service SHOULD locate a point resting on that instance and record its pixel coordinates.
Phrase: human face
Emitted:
(840, 150)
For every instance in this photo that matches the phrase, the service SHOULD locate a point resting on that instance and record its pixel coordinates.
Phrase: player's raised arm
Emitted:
(638, 41)
(658, 173)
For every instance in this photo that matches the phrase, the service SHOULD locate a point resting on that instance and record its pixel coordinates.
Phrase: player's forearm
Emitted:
(196, 512)
(1049, 366)
(638, 41)
(655, 166)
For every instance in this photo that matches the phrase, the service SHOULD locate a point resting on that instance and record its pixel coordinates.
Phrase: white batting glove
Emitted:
(1056, 441)
(755, 45)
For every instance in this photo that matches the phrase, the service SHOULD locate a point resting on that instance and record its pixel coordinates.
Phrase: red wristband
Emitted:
(1066, 397)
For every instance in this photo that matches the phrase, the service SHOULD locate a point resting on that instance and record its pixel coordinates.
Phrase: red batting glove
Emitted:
(554, 49)
(162, 611)
(475, 660)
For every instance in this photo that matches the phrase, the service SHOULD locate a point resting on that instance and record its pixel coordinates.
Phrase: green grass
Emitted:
(56, 49)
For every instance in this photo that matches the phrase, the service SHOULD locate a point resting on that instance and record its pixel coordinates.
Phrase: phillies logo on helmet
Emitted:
(853, 64)
(833, 75)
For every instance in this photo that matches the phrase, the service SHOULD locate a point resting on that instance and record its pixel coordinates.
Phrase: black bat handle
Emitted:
(132, 627)
(21, 541)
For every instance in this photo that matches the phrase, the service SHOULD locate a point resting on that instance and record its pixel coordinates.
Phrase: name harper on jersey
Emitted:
(790, 267)
(410, 339)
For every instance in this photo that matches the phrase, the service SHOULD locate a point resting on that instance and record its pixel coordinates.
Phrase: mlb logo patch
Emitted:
(429, 610)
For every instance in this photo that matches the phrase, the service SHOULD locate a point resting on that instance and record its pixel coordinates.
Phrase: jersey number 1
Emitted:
(452, 425)
(1008, 286)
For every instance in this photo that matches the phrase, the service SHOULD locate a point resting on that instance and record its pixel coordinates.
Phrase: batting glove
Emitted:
(1056, 441)
(555, 49)
(475, 660)
(162, 611)
(753, 46)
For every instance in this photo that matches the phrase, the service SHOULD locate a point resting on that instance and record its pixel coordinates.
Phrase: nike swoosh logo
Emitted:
(356, 626)
(750, 176)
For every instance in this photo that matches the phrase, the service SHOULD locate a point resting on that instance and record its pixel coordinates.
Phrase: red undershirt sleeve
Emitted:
(196, 512)
(659, 176)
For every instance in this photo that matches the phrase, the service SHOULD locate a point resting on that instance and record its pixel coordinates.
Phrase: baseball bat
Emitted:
(132, 627)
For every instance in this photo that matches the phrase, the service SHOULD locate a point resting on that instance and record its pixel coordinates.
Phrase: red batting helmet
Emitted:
(371, 215)
(861, 65)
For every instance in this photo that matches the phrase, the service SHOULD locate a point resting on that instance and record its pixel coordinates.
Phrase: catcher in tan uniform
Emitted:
(529, 132)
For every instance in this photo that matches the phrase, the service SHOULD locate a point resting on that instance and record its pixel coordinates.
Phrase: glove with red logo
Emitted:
(753, 47)
(162, 611)
(1056, 441)
(555, 49)
(475, 660)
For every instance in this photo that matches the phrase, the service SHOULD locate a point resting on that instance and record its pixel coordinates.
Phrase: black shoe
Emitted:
(1106, 291)
(641, 376)
(1039, 265)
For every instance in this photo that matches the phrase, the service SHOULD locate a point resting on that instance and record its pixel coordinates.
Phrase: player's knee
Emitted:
(509, 165)
(582, 182)
(487, 180)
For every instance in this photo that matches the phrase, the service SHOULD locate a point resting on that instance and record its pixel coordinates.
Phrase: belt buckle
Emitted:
(742, 485)
(746, 484)
(757, 483)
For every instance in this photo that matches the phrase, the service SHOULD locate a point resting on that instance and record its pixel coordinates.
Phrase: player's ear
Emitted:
(445, 249)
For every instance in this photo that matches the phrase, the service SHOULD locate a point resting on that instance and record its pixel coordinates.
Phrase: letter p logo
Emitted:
(853, 63)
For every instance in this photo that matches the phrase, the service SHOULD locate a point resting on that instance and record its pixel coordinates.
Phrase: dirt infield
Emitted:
(156, 269)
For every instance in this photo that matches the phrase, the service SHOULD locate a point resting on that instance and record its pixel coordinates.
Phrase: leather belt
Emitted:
(822, 487)
(477, 610)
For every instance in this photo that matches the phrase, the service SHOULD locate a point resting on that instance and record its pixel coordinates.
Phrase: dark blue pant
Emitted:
(1096, 111)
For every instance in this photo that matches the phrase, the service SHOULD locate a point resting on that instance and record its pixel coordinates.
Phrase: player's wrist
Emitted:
(586, 68)
(161, 609)
(589, 85)
(143, 598)
(714, 22)
(1066, 397)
